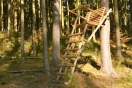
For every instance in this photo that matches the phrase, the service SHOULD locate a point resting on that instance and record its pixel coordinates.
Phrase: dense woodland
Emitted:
(33, 36)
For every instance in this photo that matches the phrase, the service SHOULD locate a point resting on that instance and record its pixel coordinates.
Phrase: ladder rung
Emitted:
(92, 23)
(60, 73)
(69, 56)
(75, 34)
(72, 49)
(66, 65)
(74, 41)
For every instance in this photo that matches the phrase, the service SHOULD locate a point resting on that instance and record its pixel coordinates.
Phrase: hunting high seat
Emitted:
(74, 45)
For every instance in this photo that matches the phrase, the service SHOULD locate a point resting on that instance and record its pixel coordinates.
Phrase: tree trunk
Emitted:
(34, 28)
(15, 20)
(9, 19)
(67, 21)
(2, 29)
(44, 28)
(118, 46)
(62, 17)
(105, 43)
(131, 9)
(56, 33)
(22, 30)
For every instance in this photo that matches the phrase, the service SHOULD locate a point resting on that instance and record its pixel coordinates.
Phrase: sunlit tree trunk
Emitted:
(118, 44)
(15, 16)
(62, 17)
(2, 15)
(9, 19)
(78, 3)
(105, 43)
(34, 28)
(56, 33)
(44, 27)
(22, 30)
(67, 5)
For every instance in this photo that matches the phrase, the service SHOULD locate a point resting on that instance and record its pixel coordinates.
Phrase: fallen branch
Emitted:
(22, 71)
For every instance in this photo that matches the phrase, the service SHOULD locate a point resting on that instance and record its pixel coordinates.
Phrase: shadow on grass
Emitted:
(127, 63)
(88, 59)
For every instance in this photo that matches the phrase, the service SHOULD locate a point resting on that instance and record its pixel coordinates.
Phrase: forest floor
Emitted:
(30, 74)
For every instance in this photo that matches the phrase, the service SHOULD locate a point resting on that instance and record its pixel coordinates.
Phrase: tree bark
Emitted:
(131, 9)
(44, 28)
(15, 19)
(34, 28)
(56, 33)
(105, 43)
(2, 27)
(9, 19)
(67, 21)
(118, 44)
(22, 30)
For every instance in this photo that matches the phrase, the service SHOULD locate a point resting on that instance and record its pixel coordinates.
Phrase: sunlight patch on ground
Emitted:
(85, 68)
(4, 67)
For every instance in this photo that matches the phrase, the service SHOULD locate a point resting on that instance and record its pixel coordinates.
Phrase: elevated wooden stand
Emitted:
(74, 45)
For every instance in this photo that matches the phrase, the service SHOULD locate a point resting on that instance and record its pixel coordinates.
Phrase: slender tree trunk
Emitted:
(34, 28)
(38, 14)
(12, 14)
(125, 17)
(56, 33)
(105, 43)
(44, 27)
(22, 30)
(118, 46)
(131, 9)
(2, 29)
(15, 21)
(9, 19)
(15, 16)
(67, 5)
(61, 17)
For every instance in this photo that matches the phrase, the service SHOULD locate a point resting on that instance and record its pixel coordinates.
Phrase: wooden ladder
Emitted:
(74, 45)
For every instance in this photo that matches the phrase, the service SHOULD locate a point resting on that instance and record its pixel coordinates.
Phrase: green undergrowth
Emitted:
(124, 82)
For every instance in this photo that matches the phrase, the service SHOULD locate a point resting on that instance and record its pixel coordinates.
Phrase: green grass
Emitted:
(124, 82)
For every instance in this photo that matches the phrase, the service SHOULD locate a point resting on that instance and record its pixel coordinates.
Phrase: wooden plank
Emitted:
(72, 49)
(92, 23)
(74, 41)
(82, 25)
(75, 34)
(99, 11)
(21, 71)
